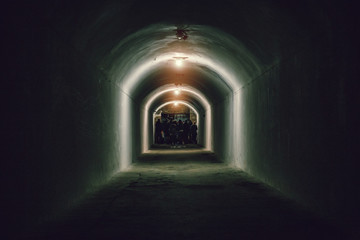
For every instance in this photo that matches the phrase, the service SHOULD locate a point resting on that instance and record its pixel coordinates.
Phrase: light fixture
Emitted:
(178, 62)
(176, 103)
(177, 92)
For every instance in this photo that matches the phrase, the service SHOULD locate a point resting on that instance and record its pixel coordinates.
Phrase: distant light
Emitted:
(177, 92)
(178, 62)
(176, 103)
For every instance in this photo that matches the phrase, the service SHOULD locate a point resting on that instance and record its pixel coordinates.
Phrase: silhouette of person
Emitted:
(180, 129)
(193, 132)
(165, 128)
(158, 131)
(186, 132)
(173, 133)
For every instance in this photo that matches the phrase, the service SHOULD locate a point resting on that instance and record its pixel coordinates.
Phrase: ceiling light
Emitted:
(178, 62)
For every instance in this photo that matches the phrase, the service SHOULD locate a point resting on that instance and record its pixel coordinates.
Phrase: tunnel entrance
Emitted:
(176, 126)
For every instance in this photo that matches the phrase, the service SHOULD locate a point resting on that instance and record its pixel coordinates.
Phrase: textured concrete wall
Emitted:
(223, 129)
(295, 128)
(61, 120)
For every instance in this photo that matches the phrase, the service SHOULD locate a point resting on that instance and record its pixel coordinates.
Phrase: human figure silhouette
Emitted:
(193, 132)
(158, 131)
(173, 133)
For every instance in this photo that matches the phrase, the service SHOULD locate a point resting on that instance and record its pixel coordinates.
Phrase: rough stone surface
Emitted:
(188, 195)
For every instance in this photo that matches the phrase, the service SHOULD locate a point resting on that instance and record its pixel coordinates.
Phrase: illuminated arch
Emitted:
(179, 102)
(208, 141)
(131, 68)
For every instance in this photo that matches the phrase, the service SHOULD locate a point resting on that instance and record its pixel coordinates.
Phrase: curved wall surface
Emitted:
(276, 81)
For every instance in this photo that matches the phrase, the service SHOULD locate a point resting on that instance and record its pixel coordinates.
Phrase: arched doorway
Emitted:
(175, 121)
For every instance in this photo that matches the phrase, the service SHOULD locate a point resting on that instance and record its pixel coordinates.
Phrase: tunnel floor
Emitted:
(187, 194)
(177, 146)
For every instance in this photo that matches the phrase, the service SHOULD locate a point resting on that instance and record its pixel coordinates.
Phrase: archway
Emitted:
(180, 102)
(194, 96)
(224, 79)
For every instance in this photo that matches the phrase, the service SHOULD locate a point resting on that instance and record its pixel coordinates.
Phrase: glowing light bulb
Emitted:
(178, 63)
(176, 103)
(177, 92)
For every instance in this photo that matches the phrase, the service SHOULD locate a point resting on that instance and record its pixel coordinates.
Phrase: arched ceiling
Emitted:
(183, 96)
(177, 103)
(230, 42)
(245, 39)
(186, 93)
(203, 79)
(219, 58)
(260, 25)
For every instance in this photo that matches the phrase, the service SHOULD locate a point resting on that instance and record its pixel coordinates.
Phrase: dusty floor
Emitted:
(188, 196)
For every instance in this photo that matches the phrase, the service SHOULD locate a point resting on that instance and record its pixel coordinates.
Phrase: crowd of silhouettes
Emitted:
(175, 132)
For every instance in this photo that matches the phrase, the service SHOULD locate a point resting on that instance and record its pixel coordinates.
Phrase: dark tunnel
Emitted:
(274, 85)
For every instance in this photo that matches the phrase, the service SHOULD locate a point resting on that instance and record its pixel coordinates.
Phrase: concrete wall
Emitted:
(296, 127)
(60, 120)
(223, 129)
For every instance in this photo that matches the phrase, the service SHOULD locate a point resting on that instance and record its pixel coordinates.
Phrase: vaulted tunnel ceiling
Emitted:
(183, 96)
(92, 23)
(109, 34)
(199, 78)
(246, 37)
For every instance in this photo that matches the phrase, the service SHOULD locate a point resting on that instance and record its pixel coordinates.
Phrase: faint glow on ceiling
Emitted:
(140, 70)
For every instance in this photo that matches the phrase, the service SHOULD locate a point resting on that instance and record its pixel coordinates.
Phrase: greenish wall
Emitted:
(296, 135)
